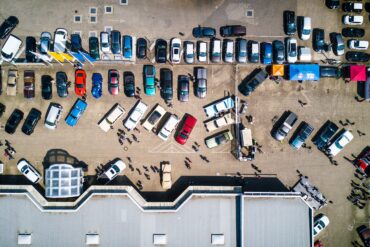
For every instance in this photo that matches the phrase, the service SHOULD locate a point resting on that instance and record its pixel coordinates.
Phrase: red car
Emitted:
(185, 129)
(318, 243)
(80, 82)
(362, 162)
(113, 81)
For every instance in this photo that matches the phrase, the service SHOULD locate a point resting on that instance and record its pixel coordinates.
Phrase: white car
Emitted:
(115, 169)
(189, 52)
(11, 48)
(291, 50)
(111, 117)
(60, 40)
(202, 51)
(105, 42)
(219, 122)
(29, 171)
(168, 127)
(353, 19)
(136, 115)
(320, 224)
(154, 117)
(358, 44)
(175, 50)
(336, 145)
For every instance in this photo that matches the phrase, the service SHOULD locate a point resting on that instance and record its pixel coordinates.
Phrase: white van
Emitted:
(53, 115)
(168, 127)
(111, 117)
(215, 50)
(10, 48)
(358, 44)
(305, 31)
(228, 51)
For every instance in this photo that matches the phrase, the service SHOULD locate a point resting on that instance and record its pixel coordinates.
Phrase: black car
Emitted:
(129, 84)
(94, 47)
(278, 51)
(76, 42)
(161, 51)
(357, 56)
(290, 26)
(233, 31)
(13, 121)
(183, 88)
(62, 84)
(353, 32)
(141, 47)
(46, 87)
(7, 26)
(318, 40)
(166, 84)
(115, 42)
(324, 134)
(204, 32)
(329, 71)
(30, 47)
(352, 7)
(31, 121)
(252, 81)
(253, 51)
(332, 4)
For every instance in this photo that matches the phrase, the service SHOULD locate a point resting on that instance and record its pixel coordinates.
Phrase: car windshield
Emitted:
(79, 85)
(176, 51)
(220, 139)
(183, 135)
(116, 169)
(340, 47)
(154, 117)
(293, 51)
(306, 32)
(243, 54)
(7, 56)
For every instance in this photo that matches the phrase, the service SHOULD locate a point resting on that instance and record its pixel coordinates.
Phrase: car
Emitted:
(149, 80)
(46, 87)
(7, 26)
(115, 41)
(94, 47)
(364, 234)
(284, 125)
(338, 43)
(304, 28)
(115, 113)
(53, 115)
(166, 130)
(105, 42)
(352, 7)
(362, 162)
(161, 51)
(31, 121)
(129, 84)
(320, 223)
(358, 44)
(136, 114)
(304, 54)
(113, 81)
(60, 40)
(290, 27)
(200, 85)
(45, 42)
(332, 4)
(218, 139)
(228, 51)
(204, 32)
(324, 134)
(141, 48)
(253, 51)
(353, 19)
(241, 50)
(115, 169)
(353, 32)
(166, 84)
(13, 121)
(30, 47)
(278, 52)
(29, 171)
(357, 56)
(291, 50)
(80, 82)
(318, 41)
(185, 129)
(97, 85)
(154, 117)
(252, 81)
(219, 122)
(215, 108)
(215, 50)
(189, 52)
(76, 112)
(338, 142)
(11, 86)
(300, 136)
(62, 84)
(29, 84)
(202, 51)
(127, 46)
(233, 31)
(175, 51)
(10, 48)
(76, 42)
(329, 71)
(266, 53)
(183, 88)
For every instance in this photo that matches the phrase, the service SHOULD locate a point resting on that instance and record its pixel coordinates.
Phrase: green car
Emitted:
(94, 47)
(218, 139)
(149, 80)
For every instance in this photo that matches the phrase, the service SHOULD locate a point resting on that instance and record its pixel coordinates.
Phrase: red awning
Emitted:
(357, 72)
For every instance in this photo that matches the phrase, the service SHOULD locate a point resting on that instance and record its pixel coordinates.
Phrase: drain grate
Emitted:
(77, 19)
(123, 2)
(93, 11)
(108, 9)
(249, 13)
(93, 19)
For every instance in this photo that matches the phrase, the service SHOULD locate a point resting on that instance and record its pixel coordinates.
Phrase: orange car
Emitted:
(80, 82)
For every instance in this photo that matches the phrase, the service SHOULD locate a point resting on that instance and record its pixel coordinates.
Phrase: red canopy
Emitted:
(357, 72)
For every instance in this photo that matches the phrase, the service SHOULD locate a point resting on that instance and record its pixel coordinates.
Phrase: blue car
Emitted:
(301, 135)
(266, 53)
(76, 112)
(97, 81)
(127, 46)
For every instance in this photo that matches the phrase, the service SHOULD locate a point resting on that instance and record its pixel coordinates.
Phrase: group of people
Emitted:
(123, 136)
(359, 195)
(9, 150)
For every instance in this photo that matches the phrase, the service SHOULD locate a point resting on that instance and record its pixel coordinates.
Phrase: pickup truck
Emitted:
(136, 115)
(111, 117)
(288, 120)
(219, 122)
(221, 105)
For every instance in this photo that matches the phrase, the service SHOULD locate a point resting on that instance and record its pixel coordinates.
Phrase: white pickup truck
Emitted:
(219, 106)
(111, 117)
(219, 122)
(136, 115)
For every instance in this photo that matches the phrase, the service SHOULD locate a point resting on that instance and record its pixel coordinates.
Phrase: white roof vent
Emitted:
(217, 239)
(92, 239)
(24, 239)
(159, 239)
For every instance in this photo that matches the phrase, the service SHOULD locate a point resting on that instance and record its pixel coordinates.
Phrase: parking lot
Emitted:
(328, 99)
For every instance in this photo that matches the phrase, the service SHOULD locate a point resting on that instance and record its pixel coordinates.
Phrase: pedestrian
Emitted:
(137, 130)
(360, 133)
(129, 140)
(196, 149)
(302, 104)
(349, 122)
(342, 123)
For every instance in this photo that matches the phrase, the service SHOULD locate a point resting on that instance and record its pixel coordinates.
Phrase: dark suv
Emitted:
(353, 32)
(31, 121)
(303, 131)
(161, 51)
(7, 26)
(324, 134)
(76, 42)
(13, 121)
(116, 42)
(233, 31)
(94, 47)
(62, 84)
(290, 26)
(204, 32)
(30, 47)
(318, 40)
(166, 84)
(252, 81)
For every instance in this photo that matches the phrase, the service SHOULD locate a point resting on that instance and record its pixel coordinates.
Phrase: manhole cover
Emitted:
(249, 13)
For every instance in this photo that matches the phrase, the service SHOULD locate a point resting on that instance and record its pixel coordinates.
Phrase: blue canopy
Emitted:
(304, 72)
